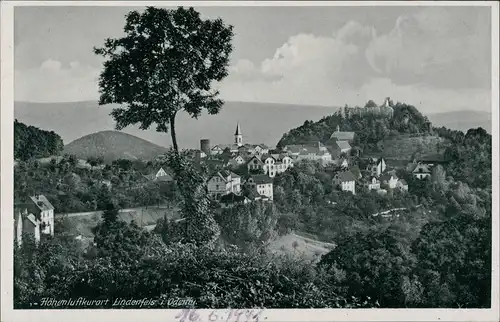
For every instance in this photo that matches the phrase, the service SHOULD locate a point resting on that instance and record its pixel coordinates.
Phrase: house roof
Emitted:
(149, 176)
(232, 146)
(42, 202)
(314, 149)
(224, 174)
(342, 136)
(267, 156)
(387, 177)
(255, 157)
(32, 219)
(355, 170)
(215, 162)
(346, 176)
(373, 160)
(421, 168)
(261, 178)
(403, 182)
(343, 145)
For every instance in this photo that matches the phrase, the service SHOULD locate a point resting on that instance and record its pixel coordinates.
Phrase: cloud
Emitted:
(438, 46)
(430, 59)
(53, 82)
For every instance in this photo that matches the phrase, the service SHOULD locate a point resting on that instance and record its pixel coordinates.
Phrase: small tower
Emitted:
(238, 137)
(338, 128)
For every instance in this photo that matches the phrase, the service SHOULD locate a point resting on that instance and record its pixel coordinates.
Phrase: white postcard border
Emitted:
(7, 116)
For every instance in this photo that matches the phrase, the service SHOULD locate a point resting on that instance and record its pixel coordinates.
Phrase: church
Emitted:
(238, 146)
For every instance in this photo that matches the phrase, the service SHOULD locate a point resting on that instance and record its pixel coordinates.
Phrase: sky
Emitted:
(435, 58)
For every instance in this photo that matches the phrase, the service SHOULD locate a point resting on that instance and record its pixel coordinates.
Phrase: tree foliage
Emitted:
(166, 62)
(32, 142)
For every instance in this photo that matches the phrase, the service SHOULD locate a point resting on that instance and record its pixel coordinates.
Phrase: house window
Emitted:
(217, 187)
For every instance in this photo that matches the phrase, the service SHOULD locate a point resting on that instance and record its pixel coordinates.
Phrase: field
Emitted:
(300, 246)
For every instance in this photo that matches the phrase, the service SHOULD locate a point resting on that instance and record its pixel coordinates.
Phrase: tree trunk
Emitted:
(172, 132)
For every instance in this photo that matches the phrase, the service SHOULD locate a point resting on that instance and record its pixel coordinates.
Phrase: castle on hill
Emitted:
(386, 109)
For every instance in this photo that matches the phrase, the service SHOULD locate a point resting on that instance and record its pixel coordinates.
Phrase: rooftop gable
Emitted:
(42, 202)
(345, 176)
(260, 178)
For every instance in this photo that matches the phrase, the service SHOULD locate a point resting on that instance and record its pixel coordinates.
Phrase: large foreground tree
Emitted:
(168, 61)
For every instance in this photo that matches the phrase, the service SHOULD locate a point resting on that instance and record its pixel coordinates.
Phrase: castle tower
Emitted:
(388, 110)
(238, 137)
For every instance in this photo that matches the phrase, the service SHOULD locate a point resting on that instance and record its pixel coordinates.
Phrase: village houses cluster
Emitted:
(262, 164)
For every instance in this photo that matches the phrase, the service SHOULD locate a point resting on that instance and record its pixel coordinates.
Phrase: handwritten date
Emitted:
(229, 315)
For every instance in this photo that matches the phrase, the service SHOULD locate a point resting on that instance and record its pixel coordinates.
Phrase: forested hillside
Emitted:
(370, 130)
(32, 142)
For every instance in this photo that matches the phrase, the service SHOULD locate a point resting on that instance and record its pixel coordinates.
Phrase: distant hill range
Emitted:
(112, 145)
(462, 120)
(260, 122)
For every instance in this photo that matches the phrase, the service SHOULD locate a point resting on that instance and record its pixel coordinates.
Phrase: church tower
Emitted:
(238, 137)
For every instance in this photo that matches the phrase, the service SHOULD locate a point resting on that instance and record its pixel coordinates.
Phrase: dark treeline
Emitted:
(32, 142)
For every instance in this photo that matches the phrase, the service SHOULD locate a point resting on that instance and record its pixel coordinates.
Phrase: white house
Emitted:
(421, 171)
(315, 152)
(237, 160)
(222, 183)
(402, 185)
(343, 163)
(260, 149)
(389, 179)
(160, 175)
(262, 184)
(216, 149)
(43, 211)
(283, 162)
(373, 184)
(269, 165)
(255, 163)
(346, 181)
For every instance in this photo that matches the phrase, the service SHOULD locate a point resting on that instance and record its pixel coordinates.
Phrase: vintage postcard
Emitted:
(255, 161)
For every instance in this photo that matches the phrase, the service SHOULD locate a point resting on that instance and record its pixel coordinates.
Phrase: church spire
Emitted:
(238, 137)
(238, 130)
